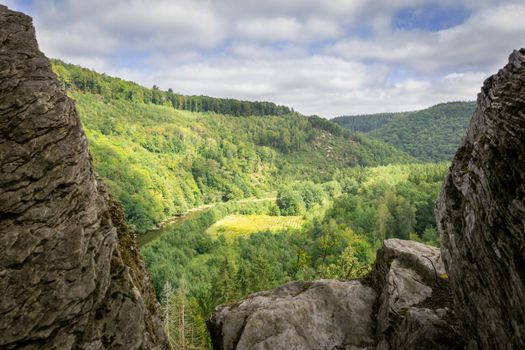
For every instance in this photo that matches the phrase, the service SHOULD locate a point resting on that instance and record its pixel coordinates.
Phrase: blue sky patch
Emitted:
(430, 17)
(23, 5)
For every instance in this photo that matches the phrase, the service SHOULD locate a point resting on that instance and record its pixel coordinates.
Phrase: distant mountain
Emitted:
(161, 159)
(431, 134)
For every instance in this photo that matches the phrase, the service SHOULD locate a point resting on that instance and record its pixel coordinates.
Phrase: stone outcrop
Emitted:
(481, 215)
(323, 314)
(70, 273)
(402, 304)
(414, 303)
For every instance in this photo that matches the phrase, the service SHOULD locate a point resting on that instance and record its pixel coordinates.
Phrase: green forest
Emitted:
(430, 135)
(160, 161)
(257, 194)
(345, 221)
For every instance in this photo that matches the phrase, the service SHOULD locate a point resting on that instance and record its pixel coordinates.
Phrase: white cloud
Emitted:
(483, 41)
(298, 52)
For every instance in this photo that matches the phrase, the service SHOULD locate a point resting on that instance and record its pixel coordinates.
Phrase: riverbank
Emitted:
(156, 232)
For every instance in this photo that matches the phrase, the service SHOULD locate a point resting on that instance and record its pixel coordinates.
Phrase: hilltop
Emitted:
(430, 135)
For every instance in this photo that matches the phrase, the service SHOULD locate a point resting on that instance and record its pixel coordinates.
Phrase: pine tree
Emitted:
(223, 285)
(183, 322)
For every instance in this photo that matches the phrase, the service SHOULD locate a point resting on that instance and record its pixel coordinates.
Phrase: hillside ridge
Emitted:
(159, 161)
(432, 134)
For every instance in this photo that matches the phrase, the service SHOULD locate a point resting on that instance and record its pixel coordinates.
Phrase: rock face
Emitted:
(414, 304)
(70, 273)
(481, 215)
(402, 304)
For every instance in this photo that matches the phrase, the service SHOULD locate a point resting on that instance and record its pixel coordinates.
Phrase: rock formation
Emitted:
(402, 304)
(71, 276)
(481, 215)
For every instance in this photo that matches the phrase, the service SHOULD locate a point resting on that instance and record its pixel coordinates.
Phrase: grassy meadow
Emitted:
(236, 225)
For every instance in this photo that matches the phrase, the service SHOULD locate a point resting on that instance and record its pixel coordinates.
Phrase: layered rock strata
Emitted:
(70, 276)
(481, 215)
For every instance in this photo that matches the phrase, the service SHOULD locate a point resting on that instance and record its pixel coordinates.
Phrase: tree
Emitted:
(347, 266)
(290, 202)
(327, 241)
(302, 263)
(223, 285)
(382, 220)
(184, 325)
(402, 216)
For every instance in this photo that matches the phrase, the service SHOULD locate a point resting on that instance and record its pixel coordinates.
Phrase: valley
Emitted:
(143, 218)
(229, 204)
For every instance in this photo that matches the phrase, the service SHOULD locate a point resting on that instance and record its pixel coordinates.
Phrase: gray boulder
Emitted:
(401, 304)
(324, 314)
(414, 307)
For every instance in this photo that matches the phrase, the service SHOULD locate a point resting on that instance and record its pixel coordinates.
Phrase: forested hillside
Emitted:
(432, 134)
(159, 160)
(365, 122)
(273, 195)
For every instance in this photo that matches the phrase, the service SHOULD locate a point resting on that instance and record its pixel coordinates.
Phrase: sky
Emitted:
(330, 58)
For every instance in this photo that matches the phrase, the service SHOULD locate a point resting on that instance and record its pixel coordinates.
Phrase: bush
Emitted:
(290, 202)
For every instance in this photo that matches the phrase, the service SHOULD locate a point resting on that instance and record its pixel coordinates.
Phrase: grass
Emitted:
(236, 225)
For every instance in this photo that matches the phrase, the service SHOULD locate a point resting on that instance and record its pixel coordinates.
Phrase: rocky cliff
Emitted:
(403, 304)
(481, 215)
(71, 276)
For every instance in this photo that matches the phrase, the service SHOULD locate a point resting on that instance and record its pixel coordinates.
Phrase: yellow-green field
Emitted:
(233, 226)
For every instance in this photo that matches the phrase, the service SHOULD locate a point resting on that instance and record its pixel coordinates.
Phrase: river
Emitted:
(153, 234)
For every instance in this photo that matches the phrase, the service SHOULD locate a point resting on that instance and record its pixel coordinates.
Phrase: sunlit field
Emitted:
(239, 225)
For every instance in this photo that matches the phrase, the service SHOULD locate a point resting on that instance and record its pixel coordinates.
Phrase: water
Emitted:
(154, 234)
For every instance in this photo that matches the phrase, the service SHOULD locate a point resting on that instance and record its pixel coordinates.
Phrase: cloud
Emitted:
(322, 85)
(286, 29)
(471, 46)
(328, 58)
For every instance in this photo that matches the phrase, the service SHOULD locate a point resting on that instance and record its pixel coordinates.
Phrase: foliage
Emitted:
(365, 123)
(432, 134)
(184, 325)
(294, 199)
(390, 201)
(77, 78)
(290, 202)
(159, 162)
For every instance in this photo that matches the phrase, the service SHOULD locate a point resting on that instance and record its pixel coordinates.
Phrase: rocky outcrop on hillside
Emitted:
(402, 304)
(70, 273)
(481, 215)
